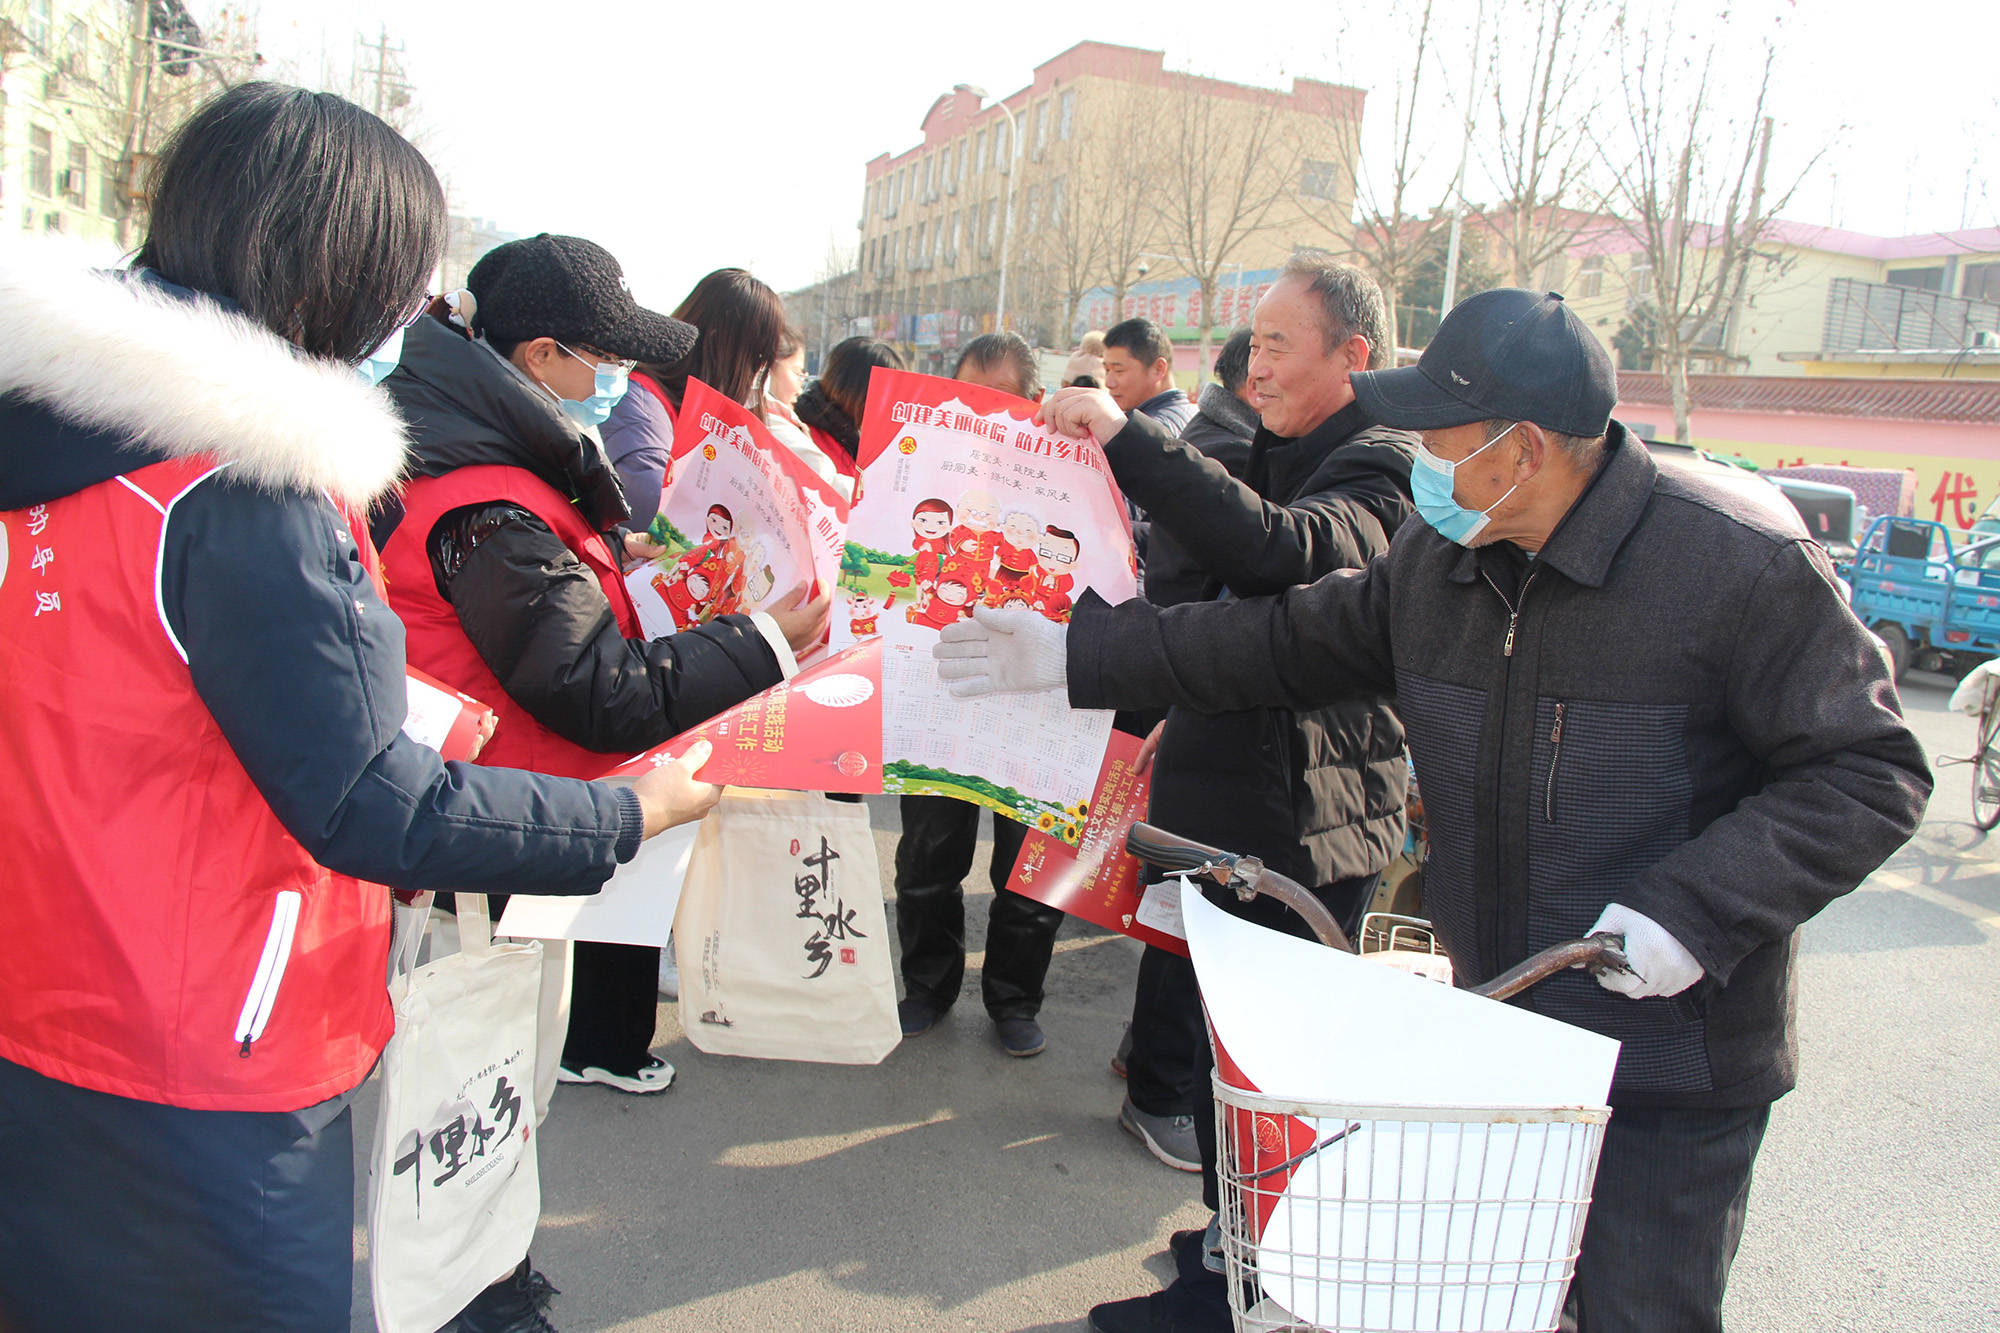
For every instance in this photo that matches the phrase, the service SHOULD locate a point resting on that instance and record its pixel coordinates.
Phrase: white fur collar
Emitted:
(188, 378)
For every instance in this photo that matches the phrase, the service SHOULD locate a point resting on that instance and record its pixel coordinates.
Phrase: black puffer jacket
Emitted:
(1318, 793)
(534, 612)
(1222, 428)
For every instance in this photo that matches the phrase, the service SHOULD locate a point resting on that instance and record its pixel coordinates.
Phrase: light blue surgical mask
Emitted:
(375, 367)
(1432, 487)
(612, 379)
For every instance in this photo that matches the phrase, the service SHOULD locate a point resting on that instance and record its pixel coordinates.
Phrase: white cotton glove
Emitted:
(1660, 965)
(1009, 650)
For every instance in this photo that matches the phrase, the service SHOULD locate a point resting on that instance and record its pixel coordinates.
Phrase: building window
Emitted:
(1000, 146)
(921, 255)
(1056, 202)
(1590, 277)
(75, 177)
(1924, 279)
(1982, 282)
(979, 151)
(1068, 119)
(1639, 277)
(1034, 207)
(1551, 279)
(40, 21)
(1041, 127)
(41, 161)
(992, 227)
(955, 221)
(1320, 180)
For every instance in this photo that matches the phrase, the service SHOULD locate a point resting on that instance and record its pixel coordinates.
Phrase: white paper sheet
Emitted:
(635, 906)
(1304, 1021)
(1160, 908)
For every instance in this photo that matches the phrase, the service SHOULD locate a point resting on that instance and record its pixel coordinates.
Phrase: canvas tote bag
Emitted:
(453, 1189)
(782, 937)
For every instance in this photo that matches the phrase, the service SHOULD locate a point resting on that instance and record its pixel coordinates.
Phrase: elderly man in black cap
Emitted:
(1637, 702)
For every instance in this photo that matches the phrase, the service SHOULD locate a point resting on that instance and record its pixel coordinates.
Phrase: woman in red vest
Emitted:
(203, 784)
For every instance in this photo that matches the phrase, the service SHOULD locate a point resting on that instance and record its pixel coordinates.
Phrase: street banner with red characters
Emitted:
(1080, 865)
(966, 502)
(819, 731)
(743, 521)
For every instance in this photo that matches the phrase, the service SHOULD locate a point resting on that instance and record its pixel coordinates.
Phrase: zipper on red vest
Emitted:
(262, 996)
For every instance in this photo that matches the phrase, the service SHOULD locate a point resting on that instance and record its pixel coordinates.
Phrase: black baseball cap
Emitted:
(1508, 355)
(572, 290)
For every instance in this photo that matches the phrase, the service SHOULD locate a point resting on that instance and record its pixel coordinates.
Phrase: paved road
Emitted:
(952, 1188)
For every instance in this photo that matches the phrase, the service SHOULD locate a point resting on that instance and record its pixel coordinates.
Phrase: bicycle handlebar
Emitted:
(1599, 953)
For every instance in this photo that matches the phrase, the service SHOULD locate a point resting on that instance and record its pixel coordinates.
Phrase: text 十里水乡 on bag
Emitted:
(453, 1188)
(782, 936)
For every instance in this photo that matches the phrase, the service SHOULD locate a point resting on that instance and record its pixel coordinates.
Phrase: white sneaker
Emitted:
(670, 973)
(656, 1075)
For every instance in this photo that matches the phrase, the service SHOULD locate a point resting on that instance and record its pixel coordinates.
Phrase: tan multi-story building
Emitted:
(1130, 182)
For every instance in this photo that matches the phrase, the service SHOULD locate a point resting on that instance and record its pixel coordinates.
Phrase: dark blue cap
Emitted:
(1507, 355)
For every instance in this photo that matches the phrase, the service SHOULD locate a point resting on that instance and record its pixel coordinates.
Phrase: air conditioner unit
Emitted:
(52, 221)
(69, 181)
(1985, 340)
(951, 187)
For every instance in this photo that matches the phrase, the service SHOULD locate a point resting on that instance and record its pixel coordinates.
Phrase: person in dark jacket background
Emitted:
(206, 788)
(1639, 703)
(1317, 793)
(1222, 428)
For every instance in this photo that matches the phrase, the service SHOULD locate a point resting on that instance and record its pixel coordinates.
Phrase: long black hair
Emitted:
(316, 218)
(743, 330)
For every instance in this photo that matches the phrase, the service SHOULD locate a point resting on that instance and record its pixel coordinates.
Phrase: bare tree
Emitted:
(1690, 188)
(1227, 167)
(1541, 153)
(1394, 213)
(1119, 199)
(1070, 246)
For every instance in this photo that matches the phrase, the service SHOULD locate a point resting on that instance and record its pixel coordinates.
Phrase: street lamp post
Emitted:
(1007, 218)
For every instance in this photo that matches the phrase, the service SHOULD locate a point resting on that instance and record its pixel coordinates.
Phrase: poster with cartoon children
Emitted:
(743, 521)
(966, 503)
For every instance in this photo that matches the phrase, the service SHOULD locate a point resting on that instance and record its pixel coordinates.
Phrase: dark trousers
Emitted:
(614, 999)
(1665, 1219)
(118, 1214)
(1342, 898)
(932, 861)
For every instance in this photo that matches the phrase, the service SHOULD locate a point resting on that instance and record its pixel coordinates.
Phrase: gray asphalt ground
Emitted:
(953, 1188)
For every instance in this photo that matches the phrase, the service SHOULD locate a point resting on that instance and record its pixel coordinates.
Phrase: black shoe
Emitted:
(515, 1304)
(917, 1016)
(1123, 1053)
(1020, 1037)
(1185, 1307)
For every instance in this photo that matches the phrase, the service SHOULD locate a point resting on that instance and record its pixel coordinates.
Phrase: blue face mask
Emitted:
(375, 367)
(1432, 487)
(612, 380)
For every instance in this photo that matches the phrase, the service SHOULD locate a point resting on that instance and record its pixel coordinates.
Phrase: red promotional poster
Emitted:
(967, 503)
(819, 731)
(445, 719)
(1080, 864)
(743, 520)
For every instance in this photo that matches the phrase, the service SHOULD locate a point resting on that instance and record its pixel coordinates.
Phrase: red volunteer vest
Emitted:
(437, 641)
(166, 939)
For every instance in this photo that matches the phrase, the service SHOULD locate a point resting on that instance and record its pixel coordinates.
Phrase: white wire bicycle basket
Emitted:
(1401, 1219)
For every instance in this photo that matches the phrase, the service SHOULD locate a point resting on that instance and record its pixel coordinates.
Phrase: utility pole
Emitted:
(1450, 294)
(392, 90)
(1739, 298)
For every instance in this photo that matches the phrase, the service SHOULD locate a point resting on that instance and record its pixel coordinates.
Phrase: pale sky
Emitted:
(686, 137)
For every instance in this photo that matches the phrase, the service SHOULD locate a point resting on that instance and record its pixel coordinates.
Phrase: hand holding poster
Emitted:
(966, 503)
(743, 520)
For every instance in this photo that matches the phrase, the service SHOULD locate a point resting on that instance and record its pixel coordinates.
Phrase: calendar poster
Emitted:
(965, 502)
(744, 521)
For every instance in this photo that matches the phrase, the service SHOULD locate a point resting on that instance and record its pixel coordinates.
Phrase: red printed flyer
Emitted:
(743, 520)
(819, 731)
(965, 503)
(1080, 865)
(445, 719)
